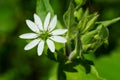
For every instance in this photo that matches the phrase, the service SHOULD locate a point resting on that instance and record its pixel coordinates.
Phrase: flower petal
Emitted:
(58, 39)
(28, 36)
(47, 21)
(32, 26)
(53, 23)
(51, 45)
(40, 47)
(38, 21)
(32, 44)
(59, 31)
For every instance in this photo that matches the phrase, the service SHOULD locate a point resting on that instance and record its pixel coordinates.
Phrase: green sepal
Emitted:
(90, 23)
(88, 37)
(103, 32)
(94, 39)
(82, 23)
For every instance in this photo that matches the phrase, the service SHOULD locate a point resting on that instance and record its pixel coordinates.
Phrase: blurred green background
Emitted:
(17, 64)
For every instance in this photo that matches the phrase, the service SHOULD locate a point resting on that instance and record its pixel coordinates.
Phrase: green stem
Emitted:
(79, 45)
(78, 48)
(68, 41)
(61, 74)
(68, 44)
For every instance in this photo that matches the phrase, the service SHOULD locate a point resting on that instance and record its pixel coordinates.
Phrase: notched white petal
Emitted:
(53, 23)
(32, 26)
(58, 39)
(59, 31)
(28, 36)
(32, 44)
(38, 21)
(47, 21)
(51, 45)
(40, 48)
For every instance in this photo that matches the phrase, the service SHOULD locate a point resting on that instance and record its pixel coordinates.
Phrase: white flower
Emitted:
(43, 33)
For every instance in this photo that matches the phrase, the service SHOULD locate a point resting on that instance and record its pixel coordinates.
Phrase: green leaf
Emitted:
(69, 16)
(81, 74)
(53, 72)
(108, 22)
(43, 7)
(108, 66)
(69, 21)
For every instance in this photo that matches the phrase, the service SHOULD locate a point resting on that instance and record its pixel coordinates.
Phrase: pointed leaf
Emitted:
(43, 7)
(81, 74)
(108, 22)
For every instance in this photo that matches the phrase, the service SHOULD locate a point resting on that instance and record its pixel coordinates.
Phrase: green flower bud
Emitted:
(78, 14)
(80, 2)
(72, 55)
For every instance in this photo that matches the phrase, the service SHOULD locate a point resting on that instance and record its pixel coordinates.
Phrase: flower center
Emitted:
(45, 35)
